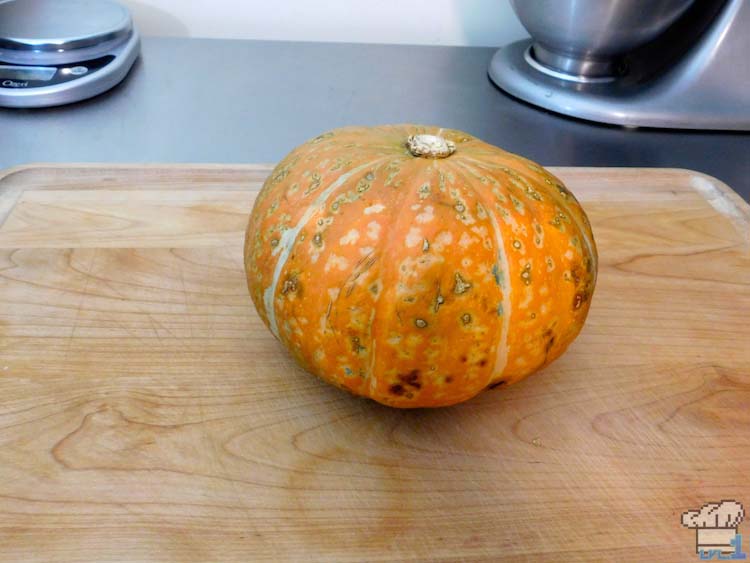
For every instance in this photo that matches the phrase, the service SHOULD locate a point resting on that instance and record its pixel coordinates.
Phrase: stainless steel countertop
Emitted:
(201, 100)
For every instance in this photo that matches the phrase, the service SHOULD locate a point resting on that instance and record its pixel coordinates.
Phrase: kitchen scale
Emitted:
(55, 52)
(682, 64)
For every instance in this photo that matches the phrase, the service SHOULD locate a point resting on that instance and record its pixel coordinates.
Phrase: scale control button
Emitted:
(78, 70)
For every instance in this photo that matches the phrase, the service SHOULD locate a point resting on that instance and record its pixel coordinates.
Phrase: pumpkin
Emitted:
(417, 265)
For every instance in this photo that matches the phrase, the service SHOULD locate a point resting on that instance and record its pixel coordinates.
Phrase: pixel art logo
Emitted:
(715, 525)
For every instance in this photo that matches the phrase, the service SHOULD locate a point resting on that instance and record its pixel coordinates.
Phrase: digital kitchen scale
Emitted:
(55, 52)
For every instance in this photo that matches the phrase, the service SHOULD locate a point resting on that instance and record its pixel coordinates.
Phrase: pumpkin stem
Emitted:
(430, 146)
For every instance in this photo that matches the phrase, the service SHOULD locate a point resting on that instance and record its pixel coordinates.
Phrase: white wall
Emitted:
(430, 22)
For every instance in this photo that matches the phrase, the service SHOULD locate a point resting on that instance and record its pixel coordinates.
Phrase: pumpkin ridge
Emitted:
(501, 352)
(388, 269)
(289, 237)
(572, 212)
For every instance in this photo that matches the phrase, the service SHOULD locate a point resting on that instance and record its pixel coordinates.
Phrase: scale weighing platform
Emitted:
(55, 52)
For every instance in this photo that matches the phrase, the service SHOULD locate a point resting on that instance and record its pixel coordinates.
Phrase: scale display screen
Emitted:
(43, 73)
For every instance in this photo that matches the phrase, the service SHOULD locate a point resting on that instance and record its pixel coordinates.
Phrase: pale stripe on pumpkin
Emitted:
(501, 354)
(286, 243)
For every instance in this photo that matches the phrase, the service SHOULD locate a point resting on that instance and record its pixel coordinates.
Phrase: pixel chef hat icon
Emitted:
(724, 514)
(715, 524)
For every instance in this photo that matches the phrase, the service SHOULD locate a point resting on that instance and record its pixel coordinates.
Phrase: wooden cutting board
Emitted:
(147, 415)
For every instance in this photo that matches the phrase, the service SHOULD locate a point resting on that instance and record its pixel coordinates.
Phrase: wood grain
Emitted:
(147, 415)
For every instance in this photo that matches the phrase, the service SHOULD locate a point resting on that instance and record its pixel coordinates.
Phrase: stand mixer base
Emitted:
(700, 92)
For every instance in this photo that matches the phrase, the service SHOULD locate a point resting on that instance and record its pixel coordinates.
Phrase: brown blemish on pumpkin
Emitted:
(466, 319)
(587, 263)
(396, 389)
(496, 384)
(526, 274)
(461, 285)
(411, 379)
(318, 239)
(449, 379)
(274, 242)
(464, 359)
(578, 300)
(356, 346)
(420, 323)
(439, 300)
(576, 273)
(482, 362)
(291, 285)
(549, 338)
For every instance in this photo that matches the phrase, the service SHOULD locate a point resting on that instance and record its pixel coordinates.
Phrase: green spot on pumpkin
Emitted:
(322, 137)
(497, 274)
(315, 180)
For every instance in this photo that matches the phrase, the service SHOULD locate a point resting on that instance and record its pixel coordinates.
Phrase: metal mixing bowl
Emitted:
(586, 37)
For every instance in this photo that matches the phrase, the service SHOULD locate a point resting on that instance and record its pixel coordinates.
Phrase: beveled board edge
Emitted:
(716, 193)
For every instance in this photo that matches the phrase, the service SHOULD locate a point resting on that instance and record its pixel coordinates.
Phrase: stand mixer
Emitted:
(680, 64)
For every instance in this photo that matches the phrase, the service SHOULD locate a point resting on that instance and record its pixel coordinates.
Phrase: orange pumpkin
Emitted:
(418, 265)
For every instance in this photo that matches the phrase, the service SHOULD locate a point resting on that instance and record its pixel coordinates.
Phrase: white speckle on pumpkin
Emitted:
(443, 239)
(414, 237)
(426, 216)
(544, 309)
(376, 208)
(373, 230)
(544, 290)
(466, 240)
(527, 297)
(414, 340)
(466, 262)
(349, 238)
(365, 250)
(481, 231)
(415, 206)
(568, 254)
(333, 293)
(335, 261)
